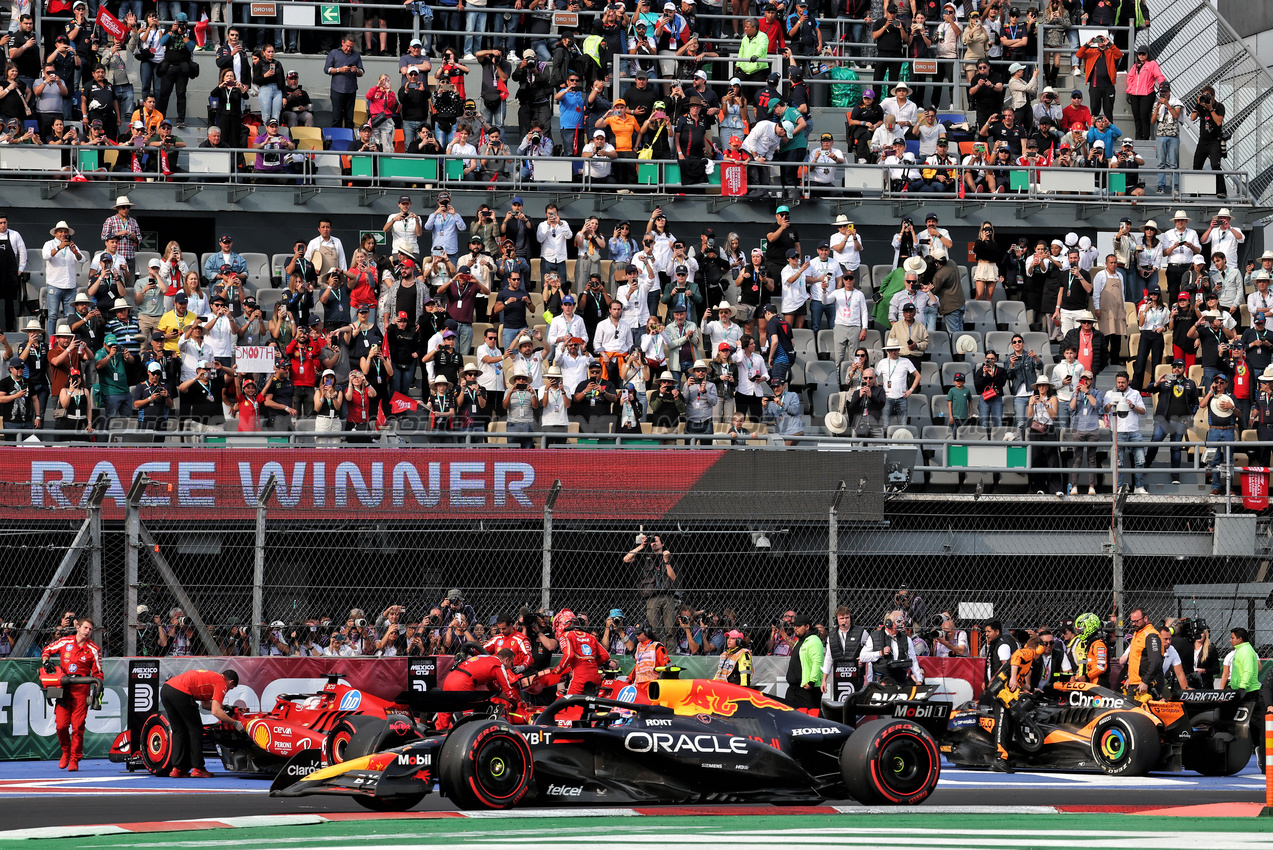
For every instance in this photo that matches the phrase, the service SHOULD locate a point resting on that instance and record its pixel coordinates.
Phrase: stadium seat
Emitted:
(822, 383)
(999, 341)
(806, 345)
(917, 410)
(1010, 316)
(258, 269)
(939, 347)
(1038, 342)
(934, 448)
(937, 408)
(826, 343)
(266, 299)
(278, 264)
(948, 371)
(312, 134)
(929, 377)
(874, 339)
(979, 316)
(334, 134)
(970, 357)
(879, 271)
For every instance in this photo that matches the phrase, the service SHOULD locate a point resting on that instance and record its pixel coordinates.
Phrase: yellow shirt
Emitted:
(170, 321)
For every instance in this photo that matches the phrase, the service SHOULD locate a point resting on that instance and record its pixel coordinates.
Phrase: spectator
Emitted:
(1165, 118)
(1125, 403)
(864, 404)
(891, 40)
(600, 155)
(267, 76)
(804, 671)
(297, 103)
(344, 66)
(1100, 59)
(175, 71)
(382, 109)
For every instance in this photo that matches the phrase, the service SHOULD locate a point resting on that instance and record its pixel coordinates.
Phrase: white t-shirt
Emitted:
(794, 289)
(850, 308)
(1132, 422)
(491, 377)
(829, 271)
(847, 255)
(552, 404)
(894, 375)
(402, 233)
(597, 166)
(221, 338)
(636, 304)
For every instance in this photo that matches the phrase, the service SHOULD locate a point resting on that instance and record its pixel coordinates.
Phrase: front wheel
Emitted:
(336, 741)
(485, 765)
(890, 762)
(1125, 744)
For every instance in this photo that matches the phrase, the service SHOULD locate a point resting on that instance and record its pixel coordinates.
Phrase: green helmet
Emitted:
(1087, 625)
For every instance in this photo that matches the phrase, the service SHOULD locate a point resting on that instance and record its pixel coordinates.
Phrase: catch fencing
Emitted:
(742, 556)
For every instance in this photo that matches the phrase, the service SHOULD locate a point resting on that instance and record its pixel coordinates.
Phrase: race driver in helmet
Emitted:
(1089, 650)
(581, 656)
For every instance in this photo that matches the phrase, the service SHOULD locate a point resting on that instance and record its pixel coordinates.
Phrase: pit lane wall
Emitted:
(27, 727)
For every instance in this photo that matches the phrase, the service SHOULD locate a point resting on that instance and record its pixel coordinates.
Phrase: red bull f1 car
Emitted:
(1087, 727)
(325, 721)
(667, 741)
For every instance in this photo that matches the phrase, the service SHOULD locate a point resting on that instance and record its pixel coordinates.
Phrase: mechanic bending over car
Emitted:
(179, 696)
(890, 648)
(486, 673)
(1005, 690)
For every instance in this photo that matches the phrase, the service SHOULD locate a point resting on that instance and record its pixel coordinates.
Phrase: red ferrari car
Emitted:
(327, 720)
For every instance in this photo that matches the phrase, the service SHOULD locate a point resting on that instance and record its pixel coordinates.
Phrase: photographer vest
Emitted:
(879, 640)
(846, 672)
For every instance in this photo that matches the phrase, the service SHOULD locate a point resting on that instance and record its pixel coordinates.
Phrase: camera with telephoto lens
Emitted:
(683, 620)
(360, 623)
(934, 629)
(183, 621)
(7, 626)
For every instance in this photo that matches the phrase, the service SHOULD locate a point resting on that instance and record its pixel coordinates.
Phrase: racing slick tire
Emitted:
(890, 762)
(485, 765)
(156, 745)
(1125, 743)
(400, 803)
(1216, 756)
(336, 743)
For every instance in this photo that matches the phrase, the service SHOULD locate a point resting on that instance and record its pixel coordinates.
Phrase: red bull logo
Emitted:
(705, 696)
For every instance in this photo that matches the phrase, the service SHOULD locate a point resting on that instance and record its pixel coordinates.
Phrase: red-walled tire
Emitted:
(156, 745)
(336, 742)
(890, 762)
(486, 766)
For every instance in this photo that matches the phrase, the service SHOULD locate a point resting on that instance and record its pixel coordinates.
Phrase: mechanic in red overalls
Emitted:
(582, 655)
(179, 696)
(507, 637)
(485, 673)
(75, 655)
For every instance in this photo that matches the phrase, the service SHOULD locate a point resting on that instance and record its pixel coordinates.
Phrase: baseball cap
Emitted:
(959, 376)
(154, 263)
(792, 254)
(181, 298)
(154, 367)
(448, 334)
(800, 620)
(569, 299)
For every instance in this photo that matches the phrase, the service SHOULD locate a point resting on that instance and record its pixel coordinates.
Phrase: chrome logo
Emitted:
(1113, 744)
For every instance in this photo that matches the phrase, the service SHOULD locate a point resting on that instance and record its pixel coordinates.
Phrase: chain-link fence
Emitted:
(743, 557)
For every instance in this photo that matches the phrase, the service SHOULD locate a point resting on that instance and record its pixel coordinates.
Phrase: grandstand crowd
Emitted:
(698, 90)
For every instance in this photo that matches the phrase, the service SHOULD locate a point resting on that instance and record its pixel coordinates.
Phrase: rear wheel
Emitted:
(890, 762)
(1125, 744)
(1216, 756)
(485, 765)
(399, 803)
(156, 745)
(336, 742)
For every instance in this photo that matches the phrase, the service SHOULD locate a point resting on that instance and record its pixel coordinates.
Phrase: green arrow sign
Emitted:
(329, 14)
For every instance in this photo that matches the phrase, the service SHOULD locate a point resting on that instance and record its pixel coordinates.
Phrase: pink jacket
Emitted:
(1143, 79)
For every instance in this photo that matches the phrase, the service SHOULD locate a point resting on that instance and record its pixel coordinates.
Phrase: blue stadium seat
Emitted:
(912, 147)
(333, 134)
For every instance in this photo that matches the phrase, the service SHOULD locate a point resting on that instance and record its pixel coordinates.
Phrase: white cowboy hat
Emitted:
(965, 345)
(82, 298)
(1153, 224)
(901, 87)
(666, 376)
(914, 265)
(33, 325)
(1267, 255)
(902, 434)
(841, 220)
(699, 364)
(62, 225)
(1217, 409)
(442, 379)
(120, 304)
(724, 305)
(1267, 374)
(1224, 213)
(520, 371)
(1086, 316)
(891, 343)
(122, 201)
(552, 372)
(837, 423)
(1179, 215)
(63, 329)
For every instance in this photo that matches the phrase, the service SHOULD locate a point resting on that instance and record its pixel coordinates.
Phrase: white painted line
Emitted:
(270, 820)
(553, 813)
(61, 832)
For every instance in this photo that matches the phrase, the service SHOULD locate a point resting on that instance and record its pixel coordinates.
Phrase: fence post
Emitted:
(132, 547)
(258, 565)
(1116, 528)
(95, 567)
(546, 578)
(833, 552)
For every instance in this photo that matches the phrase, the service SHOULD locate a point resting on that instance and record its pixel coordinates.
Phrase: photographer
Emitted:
(1209, 113)
(889, 653)
(274, 639)
(8, 637)
(177, 68)
(233, 640)
(657, 580)
(178, 637)
(619, 638)
(947, 640)
(689, 631)
(1100, 58)
(392, 626)
(458, 632)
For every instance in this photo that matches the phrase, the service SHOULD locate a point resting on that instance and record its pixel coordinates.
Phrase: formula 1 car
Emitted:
(666, 741)
(326, 721)
(1091, 727)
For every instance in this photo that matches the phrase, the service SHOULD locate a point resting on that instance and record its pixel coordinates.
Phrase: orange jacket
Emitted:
(1089, 55)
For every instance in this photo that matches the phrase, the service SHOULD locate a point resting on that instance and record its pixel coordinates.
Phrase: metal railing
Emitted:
(376, 170)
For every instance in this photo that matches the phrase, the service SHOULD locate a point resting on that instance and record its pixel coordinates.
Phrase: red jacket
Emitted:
(75, 659)
(773, 29)
(581, 651)
(1090, 55)
(483, 672)
(516, 642)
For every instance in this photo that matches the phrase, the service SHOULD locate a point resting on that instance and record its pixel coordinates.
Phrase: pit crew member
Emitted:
(73, 655)
(179, 696)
